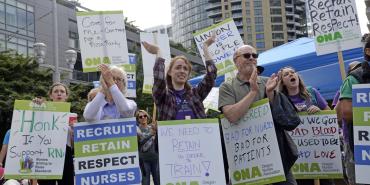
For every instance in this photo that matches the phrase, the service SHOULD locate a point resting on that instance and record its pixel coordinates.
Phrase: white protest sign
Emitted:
(190, 152)
(211, 101)
(106, 152)
(102, 37)
(38, 139)
(228, 39)
(334, 24)
(162, 41)
(317, 140)
(252, 149)
(361, 131)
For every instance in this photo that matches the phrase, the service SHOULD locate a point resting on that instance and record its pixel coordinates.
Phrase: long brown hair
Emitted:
(172, 63)
(303, 92)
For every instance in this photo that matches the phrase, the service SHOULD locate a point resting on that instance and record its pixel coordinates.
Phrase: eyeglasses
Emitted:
(248, 55)
(143, 116)
(116, 79)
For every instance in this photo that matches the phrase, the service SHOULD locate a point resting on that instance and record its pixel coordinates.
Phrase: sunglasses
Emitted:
(248, 55)
(143, 116)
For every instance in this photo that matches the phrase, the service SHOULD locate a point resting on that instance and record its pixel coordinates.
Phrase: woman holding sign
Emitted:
(147, 147)
(304, 99)
(110, 102)
(59, 92)
(173, 95)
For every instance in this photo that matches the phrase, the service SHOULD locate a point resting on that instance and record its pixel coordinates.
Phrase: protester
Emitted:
(147, 148)
(304, 99)
(173, 95)
(361, 75)
(4, 148)
(110, 102)
(91, 95)
(237, 95)
(59, 92)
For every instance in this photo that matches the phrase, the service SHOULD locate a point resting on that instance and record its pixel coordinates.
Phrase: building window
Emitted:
(259, 28)
(260, 36)
(2, 42)
(276, 19)
(258, 20)
(277, 27)
(11, 18)
(275, 3)
(277, 35)
(257, 4)
(257, 12)
(275, 11)
(277, 43)
(2, 15)
(260, 44)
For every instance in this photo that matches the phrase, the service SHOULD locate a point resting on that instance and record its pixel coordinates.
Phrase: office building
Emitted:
(263, 24)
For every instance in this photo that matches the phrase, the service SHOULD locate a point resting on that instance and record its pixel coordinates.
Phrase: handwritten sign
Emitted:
(102, 37)
(335, 25)
(228, 39)
(106, 152)
(38, 138)
(317, 140)
(190, 152)
(361, 131)
(252, 149)
(162, 41)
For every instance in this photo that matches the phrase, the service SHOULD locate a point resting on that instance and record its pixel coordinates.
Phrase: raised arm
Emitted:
(205, 86)
(92, 110)
(233, 112)
(125, 106)
(159, 86)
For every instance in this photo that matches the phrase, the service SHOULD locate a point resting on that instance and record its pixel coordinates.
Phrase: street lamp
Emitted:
(39, 52)
(71, 57)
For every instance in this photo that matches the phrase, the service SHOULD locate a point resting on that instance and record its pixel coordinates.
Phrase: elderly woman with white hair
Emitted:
(110, 102)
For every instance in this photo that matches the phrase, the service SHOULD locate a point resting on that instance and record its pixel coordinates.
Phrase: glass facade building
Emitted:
(17, 27)
(188, 16)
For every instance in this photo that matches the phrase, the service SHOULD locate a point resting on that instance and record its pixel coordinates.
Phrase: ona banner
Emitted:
(317, 140)
(361, 131)
(102, 37)
(163, 42)
(38, 139)
(228, 39)
(190, 152)
(252, 149)
(334, 25)
(106, 152)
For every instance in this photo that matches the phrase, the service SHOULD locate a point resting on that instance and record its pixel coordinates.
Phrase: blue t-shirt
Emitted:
(183, 107)
(6, 138)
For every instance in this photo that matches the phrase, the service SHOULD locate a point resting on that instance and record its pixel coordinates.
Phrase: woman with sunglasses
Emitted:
(148, 152)
(175, 98)
(110, 102)
(304, 99)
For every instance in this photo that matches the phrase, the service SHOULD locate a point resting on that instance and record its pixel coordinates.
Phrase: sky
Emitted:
(150, 13)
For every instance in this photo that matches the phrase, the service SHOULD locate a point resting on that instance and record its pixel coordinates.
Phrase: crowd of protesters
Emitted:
(176, 99)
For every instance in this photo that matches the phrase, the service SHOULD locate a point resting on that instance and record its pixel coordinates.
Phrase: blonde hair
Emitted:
(172, 63)
(92, 94)
(142, 111)
(124, 77)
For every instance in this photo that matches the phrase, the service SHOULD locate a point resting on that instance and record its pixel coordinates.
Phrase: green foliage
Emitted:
(78, 98)
(20, 79)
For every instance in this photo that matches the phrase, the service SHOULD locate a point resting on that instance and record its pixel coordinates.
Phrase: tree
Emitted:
(20, 79)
